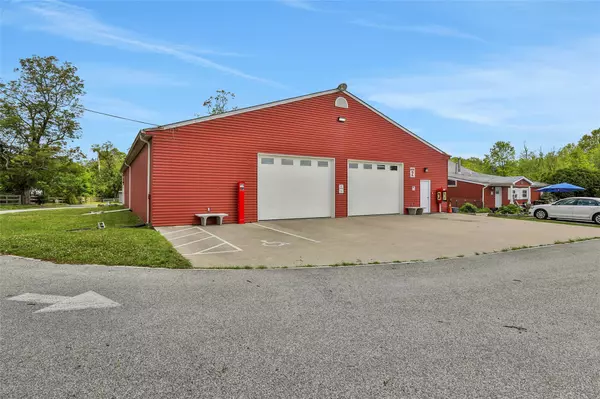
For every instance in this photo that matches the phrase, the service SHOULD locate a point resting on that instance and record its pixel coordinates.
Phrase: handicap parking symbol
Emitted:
(266, 243)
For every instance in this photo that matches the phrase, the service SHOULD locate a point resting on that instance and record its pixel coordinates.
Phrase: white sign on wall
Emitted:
(413, 172)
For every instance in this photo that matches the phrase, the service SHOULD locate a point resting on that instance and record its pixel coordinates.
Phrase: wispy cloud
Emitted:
(301, 4)
(80, 24)
(434, 30)
(108, 75)
(527, 90)
(118, 106)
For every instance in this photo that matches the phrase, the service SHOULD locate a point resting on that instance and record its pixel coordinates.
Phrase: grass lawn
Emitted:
(532, 219)
(49, 205)
(45, 235)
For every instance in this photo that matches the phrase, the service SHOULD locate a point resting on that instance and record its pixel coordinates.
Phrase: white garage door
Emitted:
(374, 188)
(294, 187)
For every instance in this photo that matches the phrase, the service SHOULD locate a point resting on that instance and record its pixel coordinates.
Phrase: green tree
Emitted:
(71, 180)
(219, 103)
(574, 157)
(105, 170)
(39, 114)
(586, 178)
(590, 141)
(501, 158)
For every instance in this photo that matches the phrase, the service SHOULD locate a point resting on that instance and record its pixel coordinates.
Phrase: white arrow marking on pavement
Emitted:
(87, 300)
(39, 298)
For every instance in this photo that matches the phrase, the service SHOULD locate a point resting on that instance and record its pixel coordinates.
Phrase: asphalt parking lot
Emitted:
(367, 239)
(520, 324)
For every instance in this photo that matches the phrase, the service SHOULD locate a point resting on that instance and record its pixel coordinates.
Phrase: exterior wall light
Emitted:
(341, 119)
(426, 170)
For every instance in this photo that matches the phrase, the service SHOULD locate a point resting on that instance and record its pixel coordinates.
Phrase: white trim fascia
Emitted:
(468, 181)
(393, 122)
(132, 148)
(291, 100)
(522, 178)
(241, 111)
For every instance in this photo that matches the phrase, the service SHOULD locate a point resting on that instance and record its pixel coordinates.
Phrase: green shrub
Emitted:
(468, 208)
(71, 199)
(510, 209)
(483, 210)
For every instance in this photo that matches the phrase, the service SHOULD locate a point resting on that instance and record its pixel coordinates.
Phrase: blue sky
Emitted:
(460, 74)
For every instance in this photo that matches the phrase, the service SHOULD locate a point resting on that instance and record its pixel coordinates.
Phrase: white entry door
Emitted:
(426, 196)
(295, 187)
(374, 188)
(498, 202)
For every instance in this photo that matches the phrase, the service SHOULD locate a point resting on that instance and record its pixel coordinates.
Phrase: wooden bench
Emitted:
(204, 216)
(414, 210)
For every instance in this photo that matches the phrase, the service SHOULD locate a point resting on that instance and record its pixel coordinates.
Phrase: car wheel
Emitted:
(541, 214)
(596, 218)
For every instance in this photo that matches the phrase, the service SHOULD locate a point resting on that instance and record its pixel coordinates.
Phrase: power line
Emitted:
(120, 117)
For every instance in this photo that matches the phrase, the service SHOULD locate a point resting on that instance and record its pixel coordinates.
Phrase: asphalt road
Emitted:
(523, 324)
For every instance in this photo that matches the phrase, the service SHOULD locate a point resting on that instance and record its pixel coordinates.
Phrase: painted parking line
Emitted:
(191, 242)
(285, 232)
(187, 235)
(178, 231)
(223, 242)
(213, 247)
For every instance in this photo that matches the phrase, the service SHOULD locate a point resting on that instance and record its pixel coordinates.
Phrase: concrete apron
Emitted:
(361, 240)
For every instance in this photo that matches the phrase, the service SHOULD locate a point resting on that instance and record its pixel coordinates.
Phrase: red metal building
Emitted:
(326, 154)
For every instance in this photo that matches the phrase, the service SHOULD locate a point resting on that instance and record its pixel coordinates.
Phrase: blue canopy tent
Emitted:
(560, 188)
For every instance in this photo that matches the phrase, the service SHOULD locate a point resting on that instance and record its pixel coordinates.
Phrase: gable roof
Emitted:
(135, 147)
(287, 101)
(470, 176)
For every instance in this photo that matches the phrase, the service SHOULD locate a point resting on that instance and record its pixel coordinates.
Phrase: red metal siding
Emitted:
(490, 197)
(139, 184)
(126, 188)
(197, 166)
(466, 192)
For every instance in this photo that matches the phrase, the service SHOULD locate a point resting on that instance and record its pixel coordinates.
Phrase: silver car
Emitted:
(576, 208)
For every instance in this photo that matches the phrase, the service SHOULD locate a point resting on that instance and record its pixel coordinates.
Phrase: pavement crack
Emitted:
(518, 328)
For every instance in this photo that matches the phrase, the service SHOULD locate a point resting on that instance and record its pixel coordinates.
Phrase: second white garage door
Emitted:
(294, 187)
(374, 188)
